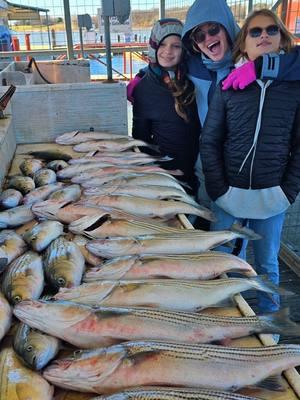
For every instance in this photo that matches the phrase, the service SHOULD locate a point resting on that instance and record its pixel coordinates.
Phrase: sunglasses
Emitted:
(272, 30)
(199, 35)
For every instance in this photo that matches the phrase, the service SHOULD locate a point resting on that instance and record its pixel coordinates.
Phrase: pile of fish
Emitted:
(106, 286)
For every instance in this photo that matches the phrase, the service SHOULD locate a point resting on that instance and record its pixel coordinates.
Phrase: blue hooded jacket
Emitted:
(204, 73)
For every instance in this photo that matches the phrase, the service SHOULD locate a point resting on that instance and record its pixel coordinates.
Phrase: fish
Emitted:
(67, 212)
(139, 363)
(169, 294)
(10, 198)
(18, 382)
(76, 137)
(67, 193)
(44, 177)
(123, 144)
(63, 263)
(12, 246)
(41, 193)
(57, 165)
(30, 166)
(41, 235)
(5, 316)
(23, 184)
(89, 327)
(24, 278)
(124, 158)
(51, 154)
(148, 192)
(202, 266)
(189, 241)
(90, 258)
(15, 216)
(171, 393)
(76, 169)
(150, 179)
(95, 226)
(107, 171)
(149, 207)
(35, 348)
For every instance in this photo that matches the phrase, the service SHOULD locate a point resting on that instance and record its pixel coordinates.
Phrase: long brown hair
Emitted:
(287, 39)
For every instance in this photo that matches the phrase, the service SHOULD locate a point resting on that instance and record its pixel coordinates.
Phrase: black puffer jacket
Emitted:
(156, 121)
(229, 132)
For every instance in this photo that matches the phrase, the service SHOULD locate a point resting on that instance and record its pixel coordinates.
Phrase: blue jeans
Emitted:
(265, 250)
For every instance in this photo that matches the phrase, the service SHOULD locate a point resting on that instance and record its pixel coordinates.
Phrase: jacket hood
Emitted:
(203, 11)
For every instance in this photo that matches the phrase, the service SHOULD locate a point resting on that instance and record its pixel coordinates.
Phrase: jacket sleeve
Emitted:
(284, 67)
(291, 179)
(212, 147)
(141, 126)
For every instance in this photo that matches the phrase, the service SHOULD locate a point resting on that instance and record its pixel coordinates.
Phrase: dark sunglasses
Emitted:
(272, 30)
(199, 35)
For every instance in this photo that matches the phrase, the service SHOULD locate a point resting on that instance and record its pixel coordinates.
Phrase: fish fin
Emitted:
(261, 282)
(244, 232)
(274, 383)
(280, 322)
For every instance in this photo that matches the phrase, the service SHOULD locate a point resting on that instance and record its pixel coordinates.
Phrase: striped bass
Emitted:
(63, 263)
(90, 258)
(44, 176)
(41, 193)
(148, 192)
(74, 170)
(11, 246)
(167, 294)
(90, 327)
(41, 235)
(182, 266)
(67, 193)
(75, 137)
(10, 198)
(24, 278)
(57, 165)
(67, 213)
(188, 241)
(123, 144)
(35, 348)
(5, 316)
(141, 363)
(171, 393)
(149, 207)
(30, 166)
(18, 382)
(23, 184)
(95, 227)
(135, 178)
(15, 216)
(108, 171)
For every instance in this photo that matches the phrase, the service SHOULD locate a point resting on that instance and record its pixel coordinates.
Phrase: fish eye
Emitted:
(29, 348)
(61, 281)
(17, 299)
(77, 353)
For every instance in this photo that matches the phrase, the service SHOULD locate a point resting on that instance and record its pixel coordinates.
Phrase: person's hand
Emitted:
(240, 77)
(131, 86)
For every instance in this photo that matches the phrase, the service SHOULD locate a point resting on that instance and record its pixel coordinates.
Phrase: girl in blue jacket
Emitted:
(250, 148)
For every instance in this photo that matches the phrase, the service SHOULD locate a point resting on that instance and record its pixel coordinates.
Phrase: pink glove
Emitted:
(240, 77)
(131, 86)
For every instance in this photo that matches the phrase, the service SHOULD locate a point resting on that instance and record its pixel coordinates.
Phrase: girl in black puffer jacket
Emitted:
(250, 148)
(164, 108)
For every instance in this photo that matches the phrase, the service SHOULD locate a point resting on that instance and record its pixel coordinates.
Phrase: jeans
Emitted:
(265, 250)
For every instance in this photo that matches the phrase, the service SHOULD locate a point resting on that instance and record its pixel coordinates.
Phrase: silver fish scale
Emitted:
(175, 282)
(212, 352)
(58, 248)
(171, 394)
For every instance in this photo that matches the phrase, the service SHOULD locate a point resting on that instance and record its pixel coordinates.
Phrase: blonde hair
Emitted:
(287, 39)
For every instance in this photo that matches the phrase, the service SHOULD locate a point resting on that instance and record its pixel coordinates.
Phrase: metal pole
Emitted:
(162, 9)
(81, 41)
(250, 6)
(108, 48)
(68, 25)
(48, 29)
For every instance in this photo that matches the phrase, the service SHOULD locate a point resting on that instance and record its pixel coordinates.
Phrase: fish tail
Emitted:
(244, 232)
(263, 283)
(280, 322)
